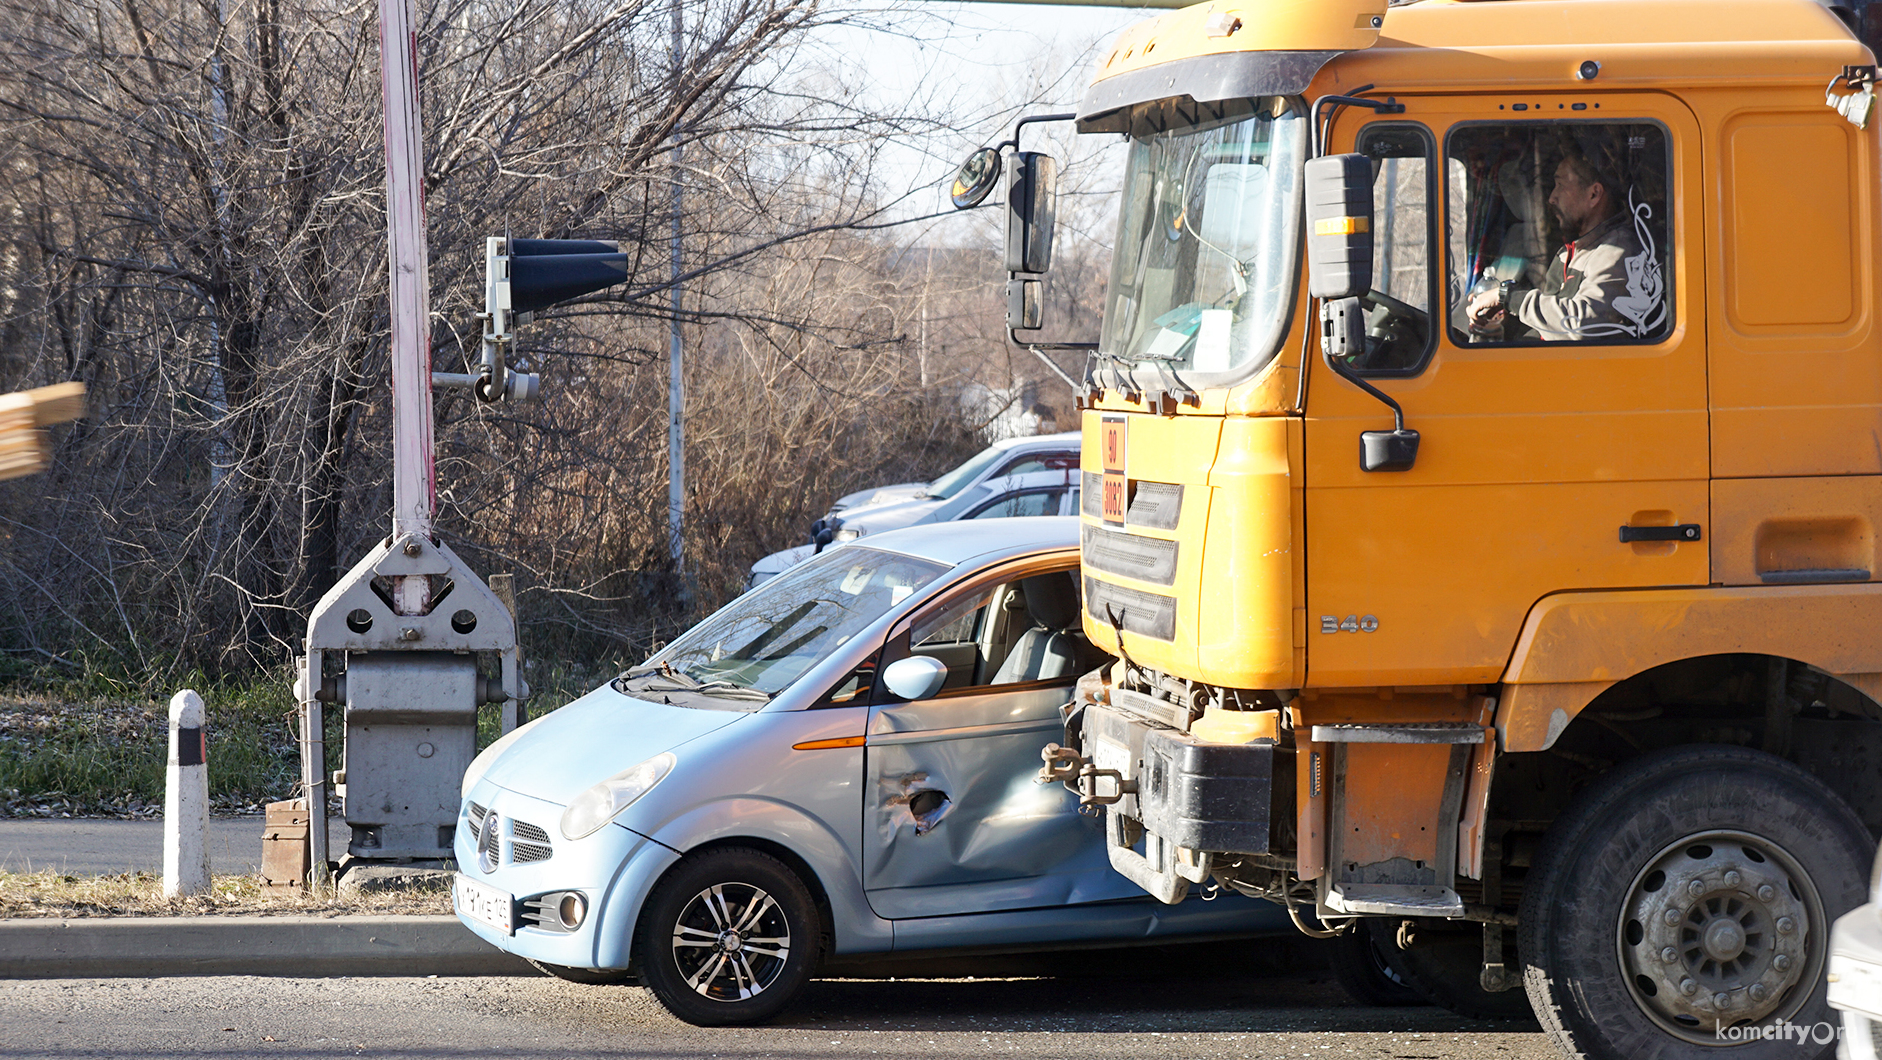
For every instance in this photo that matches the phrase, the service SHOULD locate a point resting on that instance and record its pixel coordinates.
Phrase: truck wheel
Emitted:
(1683, 904)
(728, 936)
(1445, 965)
(1360, 966)
(588, 976)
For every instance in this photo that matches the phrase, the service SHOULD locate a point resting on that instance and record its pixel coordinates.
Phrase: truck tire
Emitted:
(1683, 903)
(1360, 966)
(728, 936)
(1445, 965)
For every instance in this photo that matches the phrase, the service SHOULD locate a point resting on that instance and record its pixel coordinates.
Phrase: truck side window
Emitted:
(1558, 233)
(1398, 311)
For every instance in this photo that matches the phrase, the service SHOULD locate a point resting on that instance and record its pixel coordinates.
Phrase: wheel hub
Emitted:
(1716, 931)
(729, 942)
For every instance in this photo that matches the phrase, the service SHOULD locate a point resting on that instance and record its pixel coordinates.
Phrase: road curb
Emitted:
(300, 946)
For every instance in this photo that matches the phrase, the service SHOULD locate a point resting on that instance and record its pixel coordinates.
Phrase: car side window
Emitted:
(1034, 502)
(1025, 629)
(1054, 461)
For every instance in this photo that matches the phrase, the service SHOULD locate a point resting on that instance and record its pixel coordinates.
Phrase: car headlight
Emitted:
(847, 534)
(599, 804)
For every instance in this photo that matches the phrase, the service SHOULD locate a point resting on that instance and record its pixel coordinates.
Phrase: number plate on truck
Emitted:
(1116, 485)
(482, 903)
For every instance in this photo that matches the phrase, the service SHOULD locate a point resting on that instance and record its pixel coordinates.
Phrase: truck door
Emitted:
(953, 820)
(1575, 411)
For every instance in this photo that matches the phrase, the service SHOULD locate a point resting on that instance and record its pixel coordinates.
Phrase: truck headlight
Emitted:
(599, 804)
(847, 534)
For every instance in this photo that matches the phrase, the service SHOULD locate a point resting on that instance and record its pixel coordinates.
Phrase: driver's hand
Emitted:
(1485, 314)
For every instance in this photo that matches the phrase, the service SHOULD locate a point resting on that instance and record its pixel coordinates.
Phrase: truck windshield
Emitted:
(1204, 270)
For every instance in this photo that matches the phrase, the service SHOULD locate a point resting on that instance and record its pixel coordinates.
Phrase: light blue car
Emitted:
(840, 763)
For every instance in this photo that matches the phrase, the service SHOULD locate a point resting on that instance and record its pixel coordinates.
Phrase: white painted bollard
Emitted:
(186, 799)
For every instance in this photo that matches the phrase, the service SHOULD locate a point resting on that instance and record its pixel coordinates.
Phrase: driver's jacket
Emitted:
(1607, 283)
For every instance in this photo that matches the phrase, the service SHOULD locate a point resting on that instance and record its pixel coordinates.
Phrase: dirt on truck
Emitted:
(1482, 467)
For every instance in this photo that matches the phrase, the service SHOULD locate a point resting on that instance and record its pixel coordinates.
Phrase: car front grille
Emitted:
(474, 820)
(528, 842)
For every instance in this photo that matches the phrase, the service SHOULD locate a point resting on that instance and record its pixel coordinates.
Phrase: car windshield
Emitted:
(950, 484)
(760, 643)
(1204, 270)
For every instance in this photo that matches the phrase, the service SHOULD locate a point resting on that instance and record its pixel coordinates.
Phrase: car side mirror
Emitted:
(916, 677)
(1032, 203)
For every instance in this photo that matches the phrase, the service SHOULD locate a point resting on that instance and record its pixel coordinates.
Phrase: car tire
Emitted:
(588, 976)
(1683, 879)
(1444, 964)
(1360, 966)
(697, 943)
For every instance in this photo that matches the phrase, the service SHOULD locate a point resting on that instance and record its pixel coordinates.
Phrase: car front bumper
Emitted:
(613, 870)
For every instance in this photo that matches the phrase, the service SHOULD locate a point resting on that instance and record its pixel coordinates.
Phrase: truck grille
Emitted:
(1146, 559)
(1146, 614)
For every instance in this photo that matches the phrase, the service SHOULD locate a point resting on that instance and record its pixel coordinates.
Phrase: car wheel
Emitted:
(588, 976)
(1681, 907)
(1444, 964)
(1360, 966)
(729, 936)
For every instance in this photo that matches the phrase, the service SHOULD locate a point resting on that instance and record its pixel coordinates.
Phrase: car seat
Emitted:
(1054, 646)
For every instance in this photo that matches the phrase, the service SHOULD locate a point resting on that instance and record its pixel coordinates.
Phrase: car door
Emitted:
(953, 820)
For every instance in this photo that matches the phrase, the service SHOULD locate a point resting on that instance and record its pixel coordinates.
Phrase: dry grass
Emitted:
(51, 894)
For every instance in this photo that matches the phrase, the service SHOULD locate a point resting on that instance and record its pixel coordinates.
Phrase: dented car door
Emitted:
(954, 821)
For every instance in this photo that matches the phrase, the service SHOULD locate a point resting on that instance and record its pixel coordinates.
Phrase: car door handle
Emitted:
(1682, 532)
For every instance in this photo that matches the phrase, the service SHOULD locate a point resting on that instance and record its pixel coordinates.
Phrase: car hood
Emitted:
(885, 517)
(595, 737)
(901, 491)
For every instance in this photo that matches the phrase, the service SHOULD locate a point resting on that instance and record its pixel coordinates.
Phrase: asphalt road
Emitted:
(95, 846)
(427, 1019)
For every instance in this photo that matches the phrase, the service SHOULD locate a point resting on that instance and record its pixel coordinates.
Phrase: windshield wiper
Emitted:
(665, 678)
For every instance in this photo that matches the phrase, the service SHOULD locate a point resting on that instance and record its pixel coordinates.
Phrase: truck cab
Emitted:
(1482, 465)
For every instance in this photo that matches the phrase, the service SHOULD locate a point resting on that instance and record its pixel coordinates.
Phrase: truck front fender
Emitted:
(1574, 646)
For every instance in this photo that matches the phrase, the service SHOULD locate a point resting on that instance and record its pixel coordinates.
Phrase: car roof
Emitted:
(1070, 438)
(963, 541)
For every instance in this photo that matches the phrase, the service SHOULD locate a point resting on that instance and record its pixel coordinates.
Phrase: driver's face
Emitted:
(1572, 201)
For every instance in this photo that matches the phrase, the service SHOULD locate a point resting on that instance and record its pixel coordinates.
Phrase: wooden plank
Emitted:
(57, 404)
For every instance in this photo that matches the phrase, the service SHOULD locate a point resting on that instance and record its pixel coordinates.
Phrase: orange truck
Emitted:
(1482, 475)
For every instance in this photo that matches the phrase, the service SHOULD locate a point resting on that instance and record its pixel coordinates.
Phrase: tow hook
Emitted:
(1066, 766)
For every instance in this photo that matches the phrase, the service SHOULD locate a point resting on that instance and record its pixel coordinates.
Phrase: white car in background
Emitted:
(972, 484)
(1041, 492)
(1010, 456)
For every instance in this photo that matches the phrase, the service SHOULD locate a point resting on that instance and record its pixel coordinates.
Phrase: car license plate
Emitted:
(484, 904)
(1855, 984)
(1116, 484)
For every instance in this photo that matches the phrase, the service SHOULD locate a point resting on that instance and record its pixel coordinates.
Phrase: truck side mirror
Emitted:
(1339, 226)
(975, 179)
(1032, 200)
(1023, 309)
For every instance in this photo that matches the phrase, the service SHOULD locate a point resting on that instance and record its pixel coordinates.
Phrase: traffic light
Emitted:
(522, 276)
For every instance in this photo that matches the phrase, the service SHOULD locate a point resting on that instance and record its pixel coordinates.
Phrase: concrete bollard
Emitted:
(186, 799)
